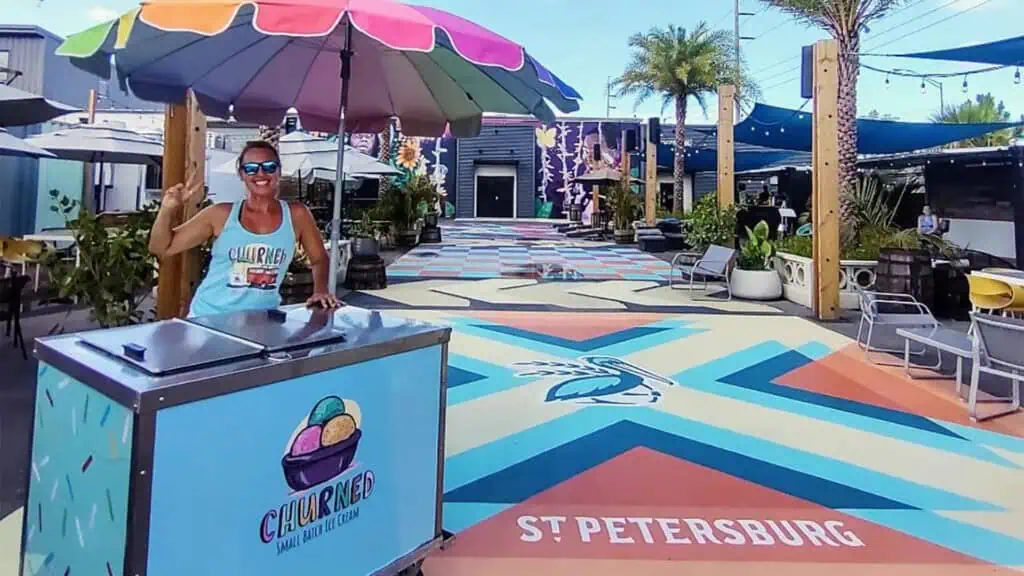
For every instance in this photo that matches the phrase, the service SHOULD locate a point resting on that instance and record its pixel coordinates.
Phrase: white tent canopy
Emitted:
(11, 145)
(306, 156)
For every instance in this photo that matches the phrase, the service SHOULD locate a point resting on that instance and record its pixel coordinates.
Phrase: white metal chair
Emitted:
(715, 264)
(892, 311)
(998, 350)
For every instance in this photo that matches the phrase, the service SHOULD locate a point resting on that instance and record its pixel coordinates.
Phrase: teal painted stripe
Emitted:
(629, 347)
(849, 419)
(968, 539)
(981, 436)
(403, 273)
(459, 516)
(498, 379)
(914, 494)
(734, 362)
(815, 350)
(476, 463)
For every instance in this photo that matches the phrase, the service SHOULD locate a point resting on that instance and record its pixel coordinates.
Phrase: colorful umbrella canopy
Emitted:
(20, 108)
(258, 58)
(343, 65)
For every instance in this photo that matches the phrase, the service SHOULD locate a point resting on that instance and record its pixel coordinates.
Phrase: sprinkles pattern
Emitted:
(73, 479)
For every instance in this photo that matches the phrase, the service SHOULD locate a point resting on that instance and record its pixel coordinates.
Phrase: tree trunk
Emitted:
(679, 167)
(847, 120)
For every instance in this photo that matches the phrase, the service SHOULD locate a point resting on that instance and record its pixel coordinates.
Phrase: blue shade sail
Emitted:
(785, 129)
(1008, 52)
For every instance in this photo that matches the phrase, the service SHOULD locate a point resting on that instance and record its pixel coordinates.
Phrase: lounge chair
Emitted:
(716, 264)
(891, 311)
(998, 350)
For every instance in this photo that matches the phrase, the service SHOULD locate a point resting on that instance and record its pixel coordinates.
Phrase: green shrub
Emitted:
(708, 224)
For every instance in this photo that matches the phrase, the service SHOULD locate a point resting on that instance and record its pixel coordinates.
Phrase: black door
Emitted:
(495, 196)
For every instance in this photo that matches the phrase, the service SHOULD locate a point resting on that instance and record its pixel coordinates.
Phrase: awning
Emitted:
(785, 129)
(1009, 52)
(706, 159)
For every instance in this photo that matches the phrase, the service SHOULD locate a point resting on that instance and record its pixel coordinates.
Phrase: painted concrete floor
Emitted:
(617, 426)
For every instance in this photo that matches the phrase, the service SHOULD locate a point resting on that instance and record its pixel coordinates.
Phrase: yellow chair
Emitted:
(25, 253)
(988, 294)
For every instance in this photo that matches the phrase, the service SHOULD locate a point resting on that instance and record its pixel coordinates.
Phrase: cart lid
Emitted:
(277, 330)
(170, 346)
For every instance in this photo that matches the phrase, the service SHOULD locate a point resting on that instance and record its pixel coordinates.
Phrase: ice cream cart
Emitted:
(275, 442)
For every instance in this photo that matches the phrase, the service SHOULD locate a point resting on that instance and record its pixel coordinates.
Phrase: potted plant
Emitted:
(708, 224)
(364, 238)
(754, 277)
(624, 205)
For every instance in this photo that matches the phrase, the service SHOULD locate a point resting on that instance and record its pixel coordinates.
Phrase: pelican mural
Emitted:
(598, 380)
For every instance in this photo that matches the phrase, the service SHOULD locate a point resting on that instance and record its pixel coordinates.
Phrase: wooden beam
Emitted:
(88, 187)
(726, 146)
(595, 212)
(168, 296)
(191, 264)
(825, 193)
(626, 166)
(651, 196)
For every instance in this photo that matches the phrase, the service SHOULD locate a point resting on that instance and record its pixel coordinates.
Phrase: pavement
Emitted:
(610, 425)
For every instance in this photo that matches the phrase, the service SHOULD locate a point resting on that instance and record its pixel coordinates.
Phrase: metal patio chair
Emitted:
(892, 311)
(716, 264)
(998, 350)
(11, 288)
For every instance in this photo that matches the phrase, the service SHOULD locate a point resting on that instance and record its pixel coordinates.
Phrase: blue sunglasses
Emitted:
(253, 168)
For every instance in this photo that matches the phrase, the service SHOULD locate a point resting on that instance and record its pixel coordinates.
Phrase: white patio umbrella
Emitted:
(11, 145)
(304, 155)
(20, 108)
(97, 143)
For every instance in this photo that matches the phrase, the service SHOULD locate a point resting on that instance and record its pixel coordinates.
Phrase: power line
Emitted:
(882, 33)
(888, 30)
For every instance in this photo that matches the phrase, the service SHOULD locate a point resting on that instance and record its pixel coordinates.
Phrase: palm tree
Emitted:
(983, 109)
(679, 65)
(845, 20)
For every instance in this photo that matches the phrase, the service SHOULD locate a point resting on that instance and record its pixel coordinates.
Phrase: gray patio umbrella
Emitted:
(94, 143)
(20, 108)
(304, 155)
(11, 145)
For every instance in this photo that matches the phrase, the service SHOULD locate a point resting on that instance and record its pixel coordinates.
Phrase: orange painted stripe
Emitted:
(569, 325)
(207, 17)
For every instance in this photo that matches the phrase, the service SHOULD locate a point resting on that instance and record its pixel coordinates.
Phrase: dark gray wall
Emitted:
(498, 145)
(32, 52)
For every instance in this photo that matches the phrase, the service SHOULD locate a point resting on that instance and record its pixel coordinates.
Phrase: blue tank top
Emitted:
(246, 269)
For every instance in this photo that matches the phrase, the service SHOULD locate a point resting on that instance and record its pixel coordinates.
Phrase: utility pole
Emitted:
(738, 38)
(608, 99)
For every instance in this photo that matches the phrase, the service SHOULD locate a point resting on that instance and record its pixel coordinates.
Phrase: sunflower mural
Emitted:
(409, 155)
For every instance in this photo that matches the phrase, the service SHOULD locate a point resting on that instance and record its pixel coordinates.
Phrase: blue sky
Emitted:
(584, 42)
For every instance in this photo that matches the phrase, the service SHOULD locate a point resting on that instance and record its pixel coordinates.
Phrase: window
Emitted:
(5, 59)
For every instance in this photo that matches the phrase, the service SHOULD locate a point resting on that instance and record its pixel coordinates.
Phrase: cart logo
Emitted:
(255, 266)
(322, 448)
(598, 380)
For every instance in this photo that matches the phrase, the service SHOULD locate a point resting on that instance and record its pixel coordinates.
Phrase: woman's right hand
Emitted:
(177, 195)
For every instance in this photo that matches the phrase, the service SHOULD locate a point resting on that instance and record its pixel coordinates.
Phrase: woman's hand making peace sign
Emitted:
(179, 194)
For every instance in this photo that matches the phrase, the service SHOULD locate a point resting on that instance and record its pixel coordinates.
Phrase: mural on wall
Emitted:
(432, 157)
(564, 151)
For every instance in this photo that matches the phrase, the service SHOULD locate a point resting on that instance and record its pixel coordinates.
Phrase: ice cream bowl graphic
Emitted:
(324, 445)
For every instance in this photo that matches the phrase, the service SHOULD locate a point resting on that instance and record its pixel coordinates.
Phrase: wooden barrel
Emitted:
(366, 273)
(906, 272)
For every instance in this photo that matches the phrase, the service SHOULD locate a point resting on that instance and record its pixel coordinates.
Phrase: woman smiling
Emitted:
(254, 239)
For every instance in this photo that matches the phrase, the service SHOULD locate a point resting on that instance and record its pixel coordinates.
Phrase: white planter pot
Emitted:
(756, 284)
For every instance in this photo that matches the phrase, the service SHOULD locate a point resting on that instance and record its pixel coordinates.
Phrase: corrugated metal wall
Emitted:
(498, 145)
(19, 176)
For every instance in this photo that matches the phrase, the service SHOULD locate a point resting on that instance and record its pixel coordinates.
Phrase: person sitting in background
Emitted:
(928, 223)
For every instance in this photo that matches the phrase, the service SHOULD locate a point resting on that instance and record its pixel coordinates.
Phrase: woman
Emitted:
(254, 242)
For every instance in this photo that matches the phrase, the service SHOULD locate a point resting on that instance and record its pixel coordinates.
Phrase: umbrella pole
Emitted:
(339, 182)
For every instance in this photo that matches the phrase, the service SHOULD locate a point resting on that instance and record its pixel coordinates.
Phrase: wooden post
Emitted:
(88, 188)
(196, 158)
(825, 194)
(168, 296)
(627, 164)
(651, 197)
(595, 213)
(726, 146)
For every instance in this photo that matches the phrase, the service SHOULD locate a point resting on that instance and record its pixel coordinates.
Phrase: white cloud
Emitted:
(101, 14)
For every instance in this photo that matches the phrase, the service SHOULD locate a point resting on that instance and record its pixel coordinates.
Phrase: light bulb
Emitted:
(1016, 76)
(887, 82)
(964, 87)
(924, 89)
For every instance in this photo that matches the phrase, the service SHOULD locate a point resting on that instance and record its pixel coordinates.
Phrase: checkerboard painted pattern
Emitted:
(551, 262)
